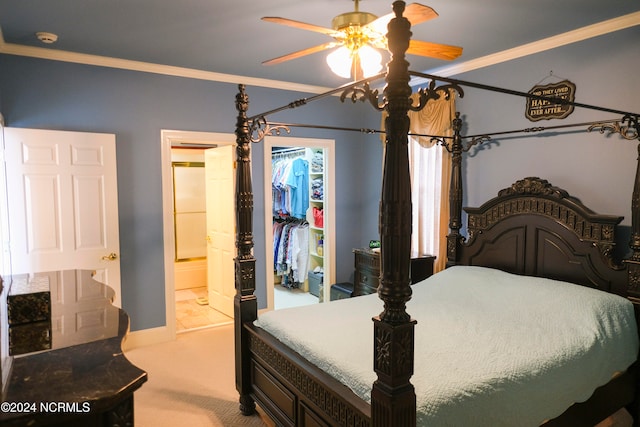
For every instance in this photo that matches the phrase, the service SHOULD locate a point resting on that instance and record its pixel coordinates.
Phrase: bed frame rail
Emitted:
(294, 392)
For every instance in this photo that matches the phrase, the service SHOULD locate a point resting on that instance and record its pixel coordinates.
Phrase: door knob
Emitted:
(111, 257)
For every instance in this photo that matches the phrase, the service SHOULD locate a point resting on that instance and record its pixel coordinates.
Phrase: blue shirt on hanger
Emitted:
(298, 182)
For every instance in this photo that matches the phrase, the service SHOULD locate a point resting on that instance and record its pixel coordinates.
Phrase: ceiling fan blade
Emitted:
(298, 24)
(434, 50)
(300, 53)
(416, 13)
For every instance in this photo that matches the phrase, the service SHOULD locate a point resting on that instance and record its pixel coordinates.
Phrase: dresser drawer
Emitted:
(363, 289)
(367, 272)
(367, 260)
(369, 277)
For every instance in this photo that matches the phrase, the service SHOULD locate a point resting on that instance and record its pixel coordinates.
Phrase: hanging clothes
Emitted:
(291, 251)
(298, 185)
(290, 187)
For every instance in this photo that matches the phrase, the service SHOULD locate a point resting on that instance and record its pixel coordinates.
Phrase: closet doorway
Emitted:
(293, 224)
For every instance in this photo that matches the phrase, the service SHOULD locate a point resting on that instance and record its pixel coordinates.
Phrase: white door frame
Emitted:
(329, 207)
(169, 139)
(5, 254)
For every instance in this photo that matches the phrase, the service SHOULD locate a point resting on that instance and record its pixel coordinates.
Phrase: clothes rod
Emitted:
(276, 150)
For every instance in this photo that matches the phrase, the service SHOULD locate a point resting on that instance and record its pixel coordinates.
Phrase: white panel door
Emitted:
(220, 227)
(63, 203)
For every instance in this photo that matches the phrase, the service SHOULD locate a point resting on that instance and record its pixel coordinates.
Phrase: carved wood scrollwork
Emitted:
(628, 127)
(394, 349)
(122, 414)
(323, 397)
(356, 93)
(261, 128)
(455, 146)
(533, 195)
(633, 286)
(434, 92)
(365, 93)
(245, 276)
(533, 185)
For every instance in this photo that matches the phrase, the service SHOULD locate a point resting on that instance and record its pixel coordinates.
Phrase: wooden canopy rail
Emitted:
(612, 126)
(393, 399)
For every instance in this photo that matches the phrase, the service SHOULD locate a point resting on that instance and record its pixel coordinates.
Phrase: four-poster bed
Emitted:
(531, 228)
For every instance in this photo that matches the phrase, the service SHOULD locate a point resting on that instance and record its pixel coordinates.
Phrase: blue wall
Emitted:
(595, 168)
(136, 107)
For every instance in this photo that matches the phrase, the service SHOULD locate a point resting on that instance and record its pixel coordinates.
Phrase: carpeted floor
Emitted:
(191, 382)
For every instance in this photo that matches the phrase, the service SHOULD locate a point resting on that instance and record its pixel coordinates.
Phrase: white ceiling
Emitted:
(214, 39)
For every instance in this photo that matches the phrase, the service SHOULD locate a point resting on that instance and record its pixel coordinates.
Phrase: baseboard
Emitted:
(146, 337)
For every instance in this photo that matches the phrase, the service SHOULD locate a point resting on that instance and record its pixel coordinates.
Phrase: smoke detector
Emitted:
(47, 38)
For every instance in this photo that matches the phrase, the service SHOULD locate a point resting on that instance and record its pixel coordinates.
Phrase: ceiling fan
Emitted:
(358, 34)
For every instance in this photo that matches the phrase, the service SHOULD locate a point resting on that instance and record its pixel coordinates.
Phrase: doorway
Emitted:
(285, 288)
(191, 261)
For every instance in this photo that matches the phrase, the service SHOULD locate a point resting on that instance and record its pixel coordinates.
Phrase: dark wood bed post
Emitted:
(454, 239)
(245, 304)
(633, 263)
(633, 270)
(393, 399)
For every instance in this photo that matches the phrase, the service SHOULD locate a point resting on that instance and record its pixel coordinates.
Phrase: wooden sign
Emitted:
(543, 109)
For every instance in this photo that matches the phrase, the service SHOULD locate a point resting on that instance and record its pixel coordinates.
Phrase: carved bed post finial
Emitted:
(393, 400)
(245, 306)
(455, 194)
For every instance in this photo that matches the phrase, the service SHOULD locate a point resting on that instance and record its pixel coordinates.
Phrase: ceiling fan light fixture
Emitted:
(370, 61)
(362, 36)
(341, 61)
(351, 19)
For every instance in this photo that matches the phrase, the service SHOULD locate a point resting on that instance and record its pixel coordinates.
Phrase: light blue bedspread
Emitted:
(489, 351)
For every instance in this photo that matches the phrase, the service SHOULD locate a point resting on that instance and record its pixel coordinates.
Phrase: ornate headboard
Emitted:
(536, 229)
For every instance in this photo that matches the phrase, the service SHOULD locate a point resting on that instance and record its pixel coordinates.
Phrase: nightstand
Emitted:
(366, 277)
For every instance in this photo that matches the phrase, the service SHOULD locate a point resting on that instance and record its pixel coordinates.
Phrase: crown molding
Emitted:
(147, 67)
(548, 43)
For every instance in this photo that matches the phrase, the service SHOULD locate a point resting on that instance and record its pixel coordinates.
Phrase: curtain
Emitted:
(430, 169)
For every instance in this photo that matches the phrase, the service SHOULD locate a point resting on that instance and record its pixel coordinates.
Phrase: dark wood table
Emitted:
(65, 367)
